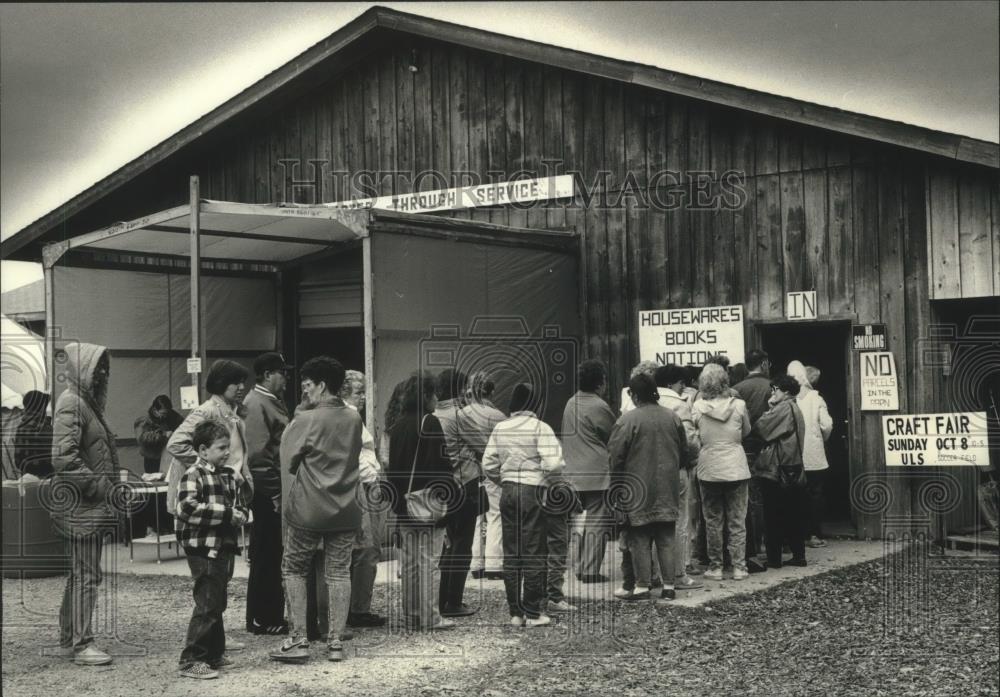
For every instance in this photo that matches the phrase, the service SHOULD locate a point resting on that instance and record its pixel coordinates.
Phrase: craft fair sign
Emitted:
(934, 440)
(690, 336)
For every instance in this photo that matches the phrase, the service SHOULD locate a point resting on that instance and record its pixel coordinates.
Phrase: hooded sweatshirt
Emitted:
(816, 418)
(83, 449)
(722, 425)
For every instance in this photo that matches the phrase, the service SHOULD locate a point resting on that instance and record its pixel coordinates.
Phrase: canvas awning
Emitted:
(235, 232)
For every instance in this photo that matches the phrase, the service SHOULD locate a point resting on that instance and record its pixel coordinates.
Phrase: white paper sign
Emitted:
(879, 385)
(800, 305)
(189, 397)
(933, 440)
(689, 336)
(194, 365)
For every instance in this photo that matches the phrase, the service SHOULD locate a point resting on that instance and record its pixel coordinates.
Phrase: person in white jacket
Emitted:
(524, 456)
(819, 425)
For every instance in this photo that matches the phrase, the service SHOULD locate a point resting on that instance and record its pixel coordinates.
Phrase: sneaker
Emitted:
(443, 625)
(257, 628)
(794, 562)
(561, 606)
(292, 650)
(222, 663)
(816, 542)
(668, 594)
(639, 593)
(714, 574)
(756, 566)
(233, 646)
(686, 583)
(335, 653)
(540, 621)
(693, 570)
(623, 593)
(365, 619)
(740, 574)
(516, 621)
(461, 610)
(199, 671)
(90, 655)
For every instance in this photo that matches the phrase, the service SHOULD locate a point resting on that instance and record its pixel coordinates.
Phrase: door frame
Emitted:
(854, 443)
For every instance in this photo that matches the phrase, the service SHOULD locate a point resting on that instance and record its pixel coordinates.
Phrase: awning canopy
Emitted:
(235, 232)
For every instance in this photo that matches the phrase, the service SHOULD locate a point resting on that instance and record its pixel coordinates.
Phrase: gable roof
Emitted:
(948, 145)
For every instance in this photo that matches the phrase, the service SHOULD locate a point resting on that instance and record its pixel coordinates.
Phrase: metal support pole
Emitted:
(197, 342)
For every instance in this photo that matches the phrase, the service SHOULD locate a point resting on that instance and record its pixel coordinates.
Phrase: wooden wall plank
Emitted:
(595, 229)
(841, 240)
(534, 135)
(293, 152)
(679, 270)
(440, 121)
(308, 171)
(789, 148)
(620, 315)
(458, 115)
(702, 260)
(770, 255)
(261, 168)
(793, 232)
(995, 225)
(636, 244)
(405, 145)
(945, 269)
(354, 133)
(423, 121)
(744, 222)
(767, 146)
(496, 129)
(514, 117)
(479, 151)
(324, 144)
(340, 186)
(655, 265)
(974, 245)
(723, 232)
(817, 256)
(372, 144)
(553, 155)
(387, 120)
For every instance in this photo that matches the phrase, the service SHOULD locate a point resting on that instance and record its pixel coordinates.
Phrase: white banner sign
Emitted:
(933, 440)
(690, 336)
(498, 194)
(879, 385)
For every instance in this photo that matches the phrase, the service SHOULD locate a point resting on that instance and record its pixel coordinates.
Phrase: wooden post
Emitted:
(197, 342)
(369, 320)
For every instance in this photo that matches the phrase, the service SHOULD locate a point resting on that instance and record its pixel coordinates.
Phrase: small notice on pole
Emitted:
(189, 397)
(879, 385)
(935, 439)
(194, 365)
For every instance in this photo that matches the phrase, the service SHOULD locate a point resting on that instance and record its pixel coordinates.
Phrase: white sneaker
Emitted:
(714, 574)
(516, 621)
(623, 594)
(561, 606)
(90, 655)
(540, 621)
(740, 574)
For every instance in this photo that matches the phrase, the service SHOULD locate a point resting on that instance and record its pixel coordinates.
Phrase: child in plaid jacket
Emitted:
(208, 515)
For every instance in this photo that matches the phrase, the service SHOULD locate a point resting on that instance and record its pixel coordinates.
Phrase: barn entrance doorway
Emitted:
(824, 345)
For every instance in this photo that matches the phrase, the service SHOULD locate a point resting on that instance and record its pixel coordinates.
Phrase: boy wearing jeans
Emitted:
(208, 515)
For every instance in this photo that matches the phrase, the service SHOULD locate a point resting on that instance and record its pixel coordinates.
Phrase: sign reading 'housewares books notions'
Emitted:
(690, 336)
(497, 194)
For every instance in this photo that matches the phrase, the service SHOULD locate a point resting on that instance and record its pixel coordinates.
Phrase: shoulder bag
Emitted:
(426, 505)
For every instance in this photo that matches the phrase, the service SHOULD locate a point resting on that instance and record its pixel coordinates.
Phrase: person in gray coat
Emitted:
(86, 465)
(648, 449)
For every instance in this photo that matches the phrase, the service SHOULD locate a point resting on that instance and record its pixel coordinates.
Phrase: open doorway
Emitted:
(825, 346)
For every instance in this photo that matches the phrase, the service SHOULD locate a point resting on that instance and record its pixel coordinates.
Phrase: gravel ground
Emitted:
(900, 626)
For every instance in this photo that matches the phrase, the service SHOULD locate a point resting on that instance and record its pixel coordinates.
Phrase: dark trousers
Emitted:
(556, 545)
(596, 532)
(784, 520)
(265, 589)
(525, 552)
(76, 614)
(456, 557)
(206, 636)
(817, 502)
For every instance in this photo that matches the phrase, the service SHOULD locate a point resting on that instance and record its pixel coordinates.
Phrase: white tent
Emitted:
(22, 362)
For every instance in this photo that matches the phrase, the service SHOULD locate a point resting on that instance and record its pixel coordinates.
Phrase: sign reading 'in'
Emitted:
(935, 439)
(690, 336)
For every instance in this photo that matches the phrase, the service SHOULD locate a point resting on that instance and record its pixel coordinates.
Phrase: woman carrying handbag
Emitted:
(422, 485)
(779, 467)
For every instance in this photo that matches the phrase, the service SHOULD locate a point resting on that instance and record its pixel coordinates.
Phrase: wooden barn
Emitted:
(686, 193)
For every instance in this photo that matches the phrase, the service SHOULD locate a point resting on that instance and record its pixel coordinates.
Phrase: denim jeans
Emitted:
(300, 550)
(556, 546)
(525, 551)
(76, 613)
(591, 545)
(725, 504)
(681, 554)
(456, 557)
(206, 636)
(697, 544)
(365, 556)
(419, 555)
(487, 546)
(641, 540)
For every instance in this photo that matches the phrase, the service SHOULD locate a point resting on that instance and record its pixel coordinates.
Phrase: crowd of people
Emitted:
(471, 487)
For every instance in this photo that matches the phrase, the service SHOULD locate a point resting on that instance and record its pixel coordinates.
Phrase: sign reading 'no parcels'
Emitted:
(689, 336)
